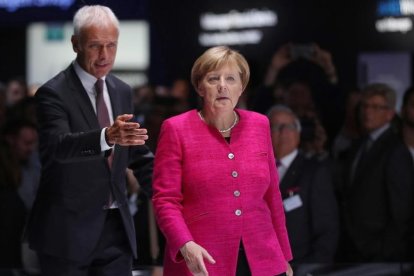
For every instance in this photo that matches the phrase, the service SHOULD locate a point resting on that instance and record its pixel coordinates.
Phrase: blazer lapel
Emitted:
(81, 96)
(371, 155)
(116, 110)
(114, 96)
(291, 176)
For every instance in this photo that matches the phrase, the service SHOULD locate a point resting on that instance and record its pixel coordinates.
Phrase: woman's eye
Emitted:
(213, 78)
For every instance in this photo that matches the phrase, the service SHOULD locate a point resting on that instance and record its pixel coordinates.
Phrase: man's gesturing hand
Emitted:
(126, 133)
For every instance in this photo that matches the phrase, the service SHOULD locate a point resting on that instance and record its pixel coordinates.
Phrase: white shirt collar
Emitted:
(411, 151)
(288, 159)
(377, 133)
(88, 81)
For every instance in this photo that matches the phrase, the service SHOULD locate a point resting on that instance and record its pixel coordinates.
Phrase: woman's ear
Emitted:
(200, 91)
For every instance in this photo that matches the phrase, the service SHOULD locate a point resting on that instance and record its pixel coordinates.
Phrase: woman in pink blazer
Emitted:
(216, 194)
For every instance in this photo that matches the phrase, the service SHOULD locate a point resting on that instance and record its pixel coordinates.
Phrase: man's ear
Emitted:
(75, 43)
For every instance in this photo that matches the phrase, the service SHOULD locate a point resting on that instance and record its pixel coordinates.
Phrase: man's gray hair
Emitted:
(383, 90)
(95, 15)
(279, 108)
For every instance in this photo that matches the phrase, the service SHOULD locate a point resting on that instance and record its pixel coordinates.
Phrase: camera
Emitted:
(305, 51)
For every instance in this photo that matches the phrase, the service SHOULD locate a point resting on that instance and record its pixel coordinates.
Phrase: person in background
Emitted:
(19, 178)
(407, 115)
(350, 131)
(377, 198)
(307, 191)
(80, 223)
(3, 105)
(216, 191)
(303, 77)
(16, 90)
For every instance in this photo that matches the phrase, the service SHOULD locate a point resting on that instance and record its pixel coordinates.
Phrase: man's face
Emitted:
(96, 49)
(25, 143)
(285, 135)
(408, 112)
(375, 112)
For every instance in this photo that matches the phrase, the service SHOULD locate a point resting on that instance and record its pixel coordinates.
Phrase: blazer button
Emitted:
(236, 193)
(234, 174)
(230, 155)
(238, 212)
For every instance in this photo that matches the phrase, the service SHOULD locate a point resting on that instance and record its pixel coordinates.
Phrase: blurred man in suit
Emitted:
(307, 192)
(377, 200)
(407, 115)
(80, 224)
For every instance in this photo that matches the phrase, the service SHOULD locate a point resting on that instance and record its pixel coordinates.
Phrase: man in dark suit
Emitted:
(80, 224)
(377, 200)
(307, 192)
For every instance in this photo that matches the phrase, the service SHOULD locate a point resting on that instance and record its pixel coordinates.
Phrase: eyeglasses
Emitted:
(374, 107)
(280, 127)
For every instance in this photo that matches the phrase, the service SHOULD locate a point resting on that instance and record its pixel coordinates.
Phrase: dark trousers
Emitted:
(243, 268)
(112, 256)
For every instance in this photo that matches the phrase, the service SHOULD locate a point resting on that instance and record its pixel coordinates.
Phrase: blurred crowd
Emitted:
(345, 160)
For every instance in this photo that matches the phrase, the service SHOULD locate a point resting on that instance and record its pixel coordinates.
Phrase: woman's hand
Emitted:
(289, 271)
(194, 256)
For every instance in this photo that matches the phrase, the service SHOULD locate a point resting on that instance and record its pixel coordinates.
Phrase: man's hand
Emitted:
(323, 58)
(281, 58)
(125, 133)
(194, 256)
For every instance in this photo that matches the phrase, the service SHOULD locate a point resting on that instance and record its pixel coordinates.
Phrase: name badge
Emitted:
(292, 203)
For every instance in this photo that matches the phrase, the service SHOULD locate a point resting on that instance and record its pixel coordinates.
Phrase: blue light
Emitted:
(389, 8)
(13, 5)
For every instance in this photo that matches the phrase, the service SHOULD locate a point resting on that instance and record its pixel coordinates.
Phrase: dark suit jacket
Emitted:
(68, 216)
(378, 203)
(313, 228)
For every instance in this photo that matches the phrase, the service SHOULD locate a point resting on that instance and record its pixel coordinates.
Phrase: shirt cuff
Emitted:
(104, 145)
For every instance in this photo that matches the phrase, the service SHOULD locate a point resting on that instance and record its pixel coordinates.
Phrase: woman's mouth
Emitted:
(222, 98)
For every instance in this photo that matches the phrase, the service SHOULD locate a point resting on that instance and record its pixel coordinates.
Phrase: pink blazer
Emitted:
(218, 194)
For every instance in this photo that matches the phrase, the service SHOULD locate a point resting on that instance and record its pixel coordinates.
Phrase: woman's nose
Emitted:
(222, 84)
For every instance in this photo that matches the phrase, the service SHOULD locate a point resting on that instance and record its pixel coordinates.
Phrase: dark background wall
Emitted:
(345, 28)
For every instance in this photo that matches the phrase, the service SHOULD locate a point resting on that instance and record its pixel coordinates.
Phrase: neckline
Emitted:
(236, 120)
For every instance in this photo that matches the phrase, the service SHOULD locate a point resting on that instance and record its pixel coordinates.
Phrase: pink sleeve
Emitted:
(168, 196)
(274, 200)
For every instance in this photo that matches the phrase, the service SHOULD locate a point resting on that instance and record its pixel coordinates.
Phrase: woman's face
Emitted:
(221, 88)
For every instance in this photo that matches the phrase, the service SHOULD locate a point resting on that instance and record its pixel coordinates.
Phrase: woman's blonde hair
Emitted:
(217, 57)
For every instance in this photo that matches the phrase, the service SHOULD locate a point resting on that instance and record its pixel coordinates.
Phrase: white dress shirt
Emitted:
(88, 81)
(285, 163)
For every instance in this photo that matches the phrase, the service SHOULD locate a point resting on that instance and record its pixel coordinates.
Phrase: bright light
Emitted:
(403, 25)
(407, 7)
(230, 38)
(225, 28)
(238, 20)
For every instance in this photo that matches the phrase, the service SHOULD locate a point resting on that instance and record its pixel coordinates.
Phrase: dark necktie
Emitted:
(104, 121)
(101, 109)
(364, 151)
(359, 162)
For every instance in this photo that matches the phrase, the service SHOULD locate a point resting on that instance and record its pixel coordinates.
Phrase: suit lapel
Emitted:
(116, 110)
(292, 174)
(81, 96)
(114, 96)
(371, 155)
